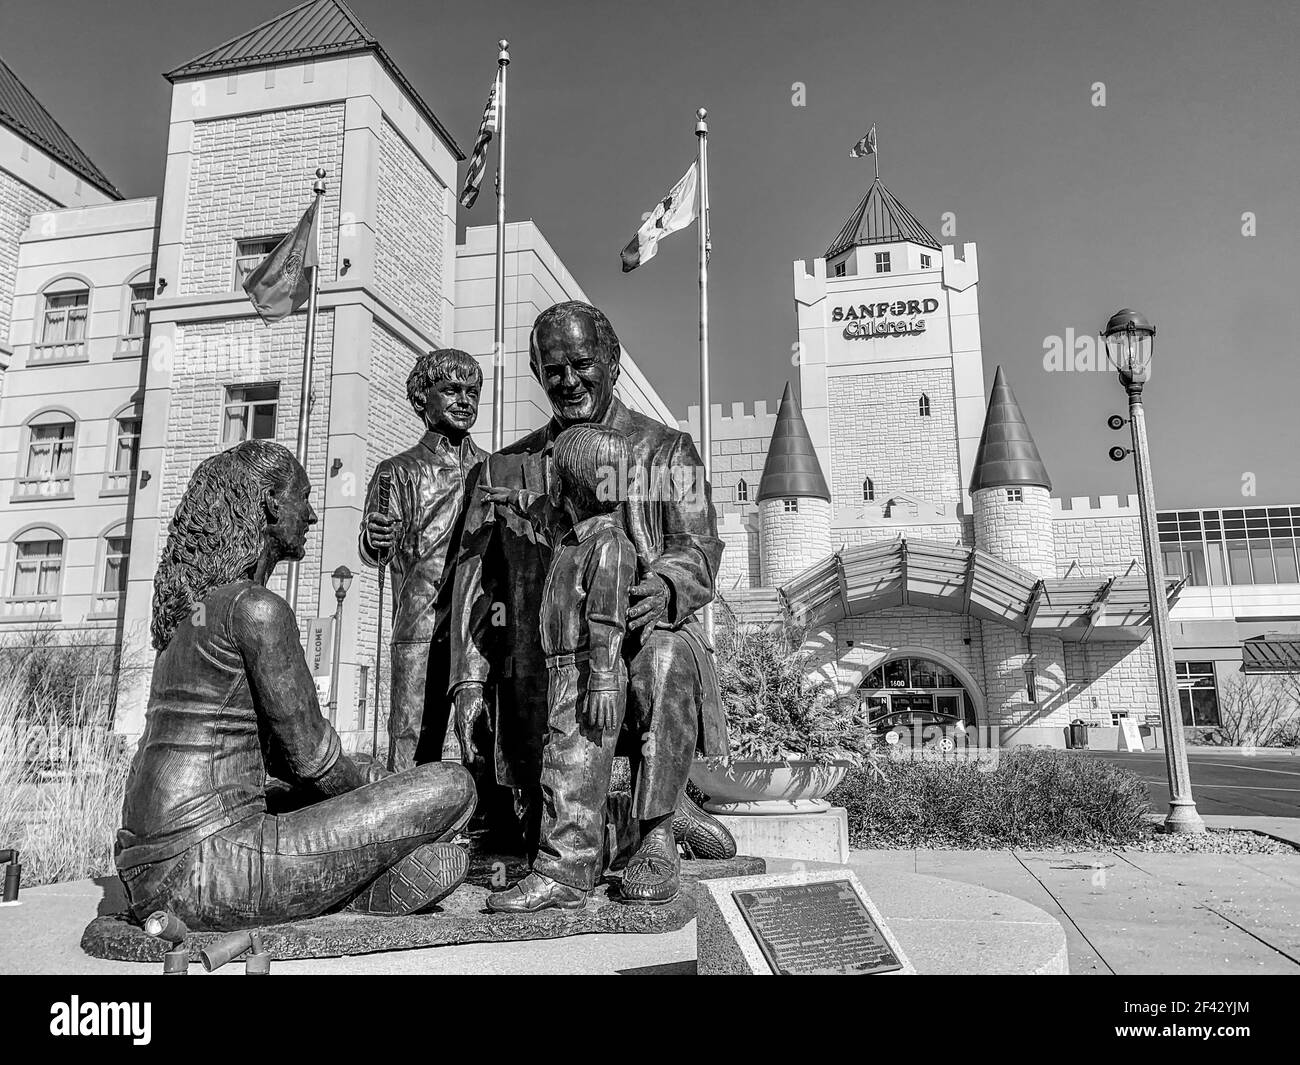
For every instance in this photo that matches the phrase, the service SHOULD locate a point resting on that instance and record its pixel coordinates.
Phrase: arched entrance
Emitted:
(916, 692)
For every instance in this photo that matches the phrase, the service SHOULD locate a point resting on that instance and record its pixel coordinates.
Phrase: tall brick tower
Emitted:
(794, 504)
(1010, 489)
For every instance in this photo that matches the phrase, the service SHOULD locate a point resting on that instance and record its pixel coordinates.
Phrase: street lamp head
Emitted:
(1130, 341)
(341, 578)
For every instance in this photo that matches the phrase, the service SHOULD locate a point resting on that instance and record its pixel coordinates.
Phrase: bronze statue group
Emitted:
(545, 619)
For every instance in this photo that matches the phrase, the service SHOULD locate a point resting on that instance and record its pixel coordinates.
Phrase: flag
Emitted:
(478, 158)
(675, 211)
(281, 284)
(866, 146)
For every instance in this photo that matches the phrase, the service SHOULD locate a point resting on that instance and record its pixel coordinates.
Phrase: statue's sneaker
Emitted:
(699, 834)
(423, 878)
(652, 876)
(536, 892)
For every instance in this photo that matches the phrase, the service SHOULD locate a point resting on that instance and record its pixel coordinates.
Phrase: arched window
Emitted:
(46, 469)
(124, 451)
(114, 552)
(140, 291)
(61, 331)
(37, 573)
(742, 491)
(868, 490)
(924, 405)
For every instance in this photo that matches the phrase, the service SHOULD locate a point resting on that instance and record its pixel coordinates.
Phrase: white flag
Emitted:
(675, 211)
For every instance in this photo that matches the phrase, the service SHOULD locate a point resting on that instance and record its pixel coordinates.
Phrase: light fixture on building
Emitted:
(161, 286)
(335, 467)
(347, 265)
(1130, 344)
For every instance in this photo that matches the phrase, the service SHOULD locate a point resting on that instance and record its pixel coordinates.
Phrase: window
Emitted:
(117, 550)
(923, 405)
(1116, 716)
(49, 457)
(1254, 545)
(362, 691)
(882, 262)
(63, 323)
(925, 262)
(249, 254)
(868, 490)
(1015, 495)
(1197, 693)
(125, 454)
(250, 413)
(742, 491)
(790, 506)
(141, 294)
(38, 572)
(839, 269)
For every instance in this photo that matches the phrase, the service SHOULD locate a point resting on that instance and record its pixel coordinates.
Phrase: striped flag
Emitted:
(478, 158)
(866, 146)
(282, 283)
(675, 211)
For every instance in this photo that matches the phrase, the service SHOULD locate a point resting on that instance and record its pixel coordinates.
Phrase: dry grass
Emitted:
(62, 779)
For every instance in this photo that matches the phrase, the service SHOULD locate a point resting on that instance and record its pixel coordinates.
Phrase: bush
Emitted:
(62, 780)
(1027, 798)
(51, 673)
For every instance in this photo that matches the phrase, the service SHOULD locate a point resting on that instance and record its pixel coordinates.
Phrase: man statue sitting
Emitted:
(232, 702)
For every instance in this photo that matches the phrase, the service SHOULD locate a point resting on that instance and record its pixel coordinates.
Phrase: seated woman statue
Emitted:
(232, 702)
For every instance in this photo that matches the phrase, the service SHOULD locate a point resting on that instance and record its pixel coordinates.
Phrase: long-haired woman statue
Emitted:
(234, 702)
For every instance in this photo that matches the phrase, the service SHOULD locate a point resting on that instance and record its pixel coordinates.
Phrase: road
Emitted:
(1258, 785)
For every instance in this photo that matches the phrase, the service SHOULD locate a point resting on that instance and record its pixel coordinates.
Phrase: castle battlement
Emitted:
(1095, 507)
(740, 421)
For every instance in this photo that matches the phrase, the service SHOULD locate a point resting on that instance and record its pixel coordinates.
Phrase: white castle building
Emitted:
(898, 510)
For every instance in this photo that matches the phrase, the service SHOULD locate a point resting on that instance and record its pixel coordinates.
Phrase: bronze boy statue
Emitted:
(416, 538)
(583, 621)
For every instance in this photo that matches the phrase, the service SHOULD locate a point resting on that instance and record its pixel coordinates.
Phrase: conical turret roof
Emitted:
(791, 468)
(880, 218)
(1007, 453)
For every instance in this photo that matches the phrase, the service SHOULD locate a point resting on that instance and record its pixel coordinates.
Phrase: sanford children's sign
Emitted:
(866, 321)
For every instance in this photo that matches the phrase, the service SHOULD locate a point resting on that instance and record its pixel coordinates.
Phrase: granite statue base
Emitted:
(460, 918)
(820, 836)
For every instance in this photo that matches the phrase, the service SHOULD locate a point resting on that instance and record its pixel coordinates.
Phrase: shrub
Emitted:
(62, 780)
(48, 672)
(776, 709)
(1027, 798)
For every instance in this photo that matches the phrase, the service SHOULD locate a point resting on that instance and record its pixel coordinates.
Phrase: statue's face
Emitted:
(573, 370)
(451, 407)
(290, 515)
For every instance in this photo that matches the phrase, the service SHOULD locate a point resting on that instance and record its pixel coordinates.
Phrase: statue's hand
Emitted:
(381, 531)
(649, 602)
(502, 497)
(470, 707)
(602, 709)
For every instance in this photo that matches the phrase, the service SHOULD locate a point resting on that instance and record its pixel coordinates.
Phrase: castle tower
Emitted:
(1010, 489)
(794, 504)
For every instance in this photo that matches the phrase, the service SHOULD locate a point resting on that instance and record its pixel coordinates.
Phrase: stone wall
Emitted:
(409, 232)
(740, 444)
(18, 202)
(1017, 532)
(791, 542)
(1101, 546)
(876, 431)
(251, 176)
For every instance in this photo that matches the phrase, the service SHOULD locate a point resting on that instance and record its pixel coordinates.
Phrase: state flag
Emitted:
(281, 284)
(675, 211)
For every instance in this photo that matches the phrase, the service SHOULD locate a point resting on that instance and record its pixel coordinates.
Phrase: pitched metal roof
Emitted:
(312, 30)
(880, 219)
(21, 112)
(967, 581)
(791, 468)
(1007, 453)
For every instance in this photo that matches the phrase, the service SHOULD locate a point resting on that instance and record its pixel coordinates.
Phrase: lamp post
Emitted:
(1130, 342)
(341, 578)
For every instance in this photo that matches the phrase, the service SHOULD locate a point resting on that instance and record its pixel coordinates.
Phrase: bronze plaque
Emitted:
(819, 929)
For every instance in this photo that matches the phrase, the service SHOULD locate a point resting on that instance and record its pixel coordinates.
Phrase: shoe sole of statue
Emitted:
(422, 879)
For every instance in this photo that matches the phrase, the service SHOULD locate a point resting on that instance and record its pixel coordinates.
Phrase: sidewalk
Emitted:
(1123, 913)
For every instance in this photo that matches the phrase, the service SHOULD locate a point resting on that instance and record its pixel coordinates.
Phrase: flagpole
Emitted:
(706, 407)
(499, 323)
(308, 358)
(875, 152)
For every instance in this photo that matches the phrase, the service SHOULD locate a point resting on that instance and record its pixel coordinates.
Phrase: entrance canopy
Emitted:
(961, 580)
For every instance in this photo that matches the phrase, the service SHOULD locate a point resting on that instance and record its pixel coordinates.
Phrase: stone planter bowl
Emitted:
(767, 787)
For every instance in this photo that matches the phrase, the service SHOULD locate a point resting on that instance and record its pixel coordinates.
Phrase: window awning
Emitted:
(1271, 654)
(961, 580)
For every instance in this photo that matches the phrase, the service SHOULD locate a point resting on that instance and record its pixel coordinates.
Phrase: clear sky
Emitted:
(983, 110)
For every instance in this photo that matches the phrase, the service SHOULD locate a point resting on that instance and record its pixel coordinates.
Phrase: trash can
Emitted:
(1078, 735)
